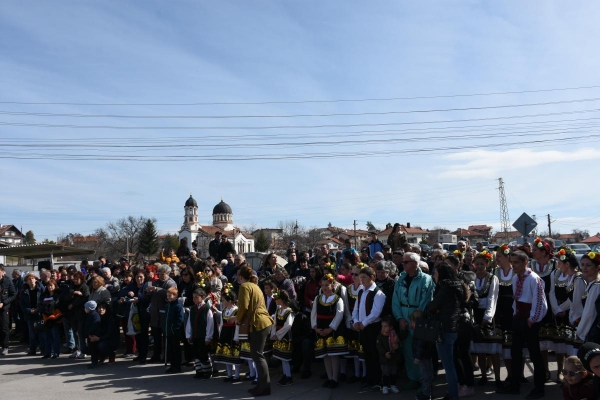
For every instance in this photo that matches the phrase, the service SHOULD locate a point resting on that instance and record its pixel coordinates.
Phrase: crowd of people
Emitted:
(368, 314)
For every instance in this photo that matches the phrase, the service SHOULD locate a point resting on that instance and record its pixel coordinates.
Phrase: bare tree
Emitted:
(118, 237)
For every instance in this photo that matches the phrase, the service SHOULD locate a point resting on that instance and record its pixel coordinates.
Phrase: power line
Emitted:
(71, 115)
(116, 127)
(302, 101)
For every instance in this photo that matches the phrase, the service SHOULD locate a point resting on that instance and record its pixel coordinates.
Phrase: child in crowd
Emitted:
(388, 344)
(422, 351)
(577, 384)
(199, 333)
(280, 334)
(228, 349)
(173, 322)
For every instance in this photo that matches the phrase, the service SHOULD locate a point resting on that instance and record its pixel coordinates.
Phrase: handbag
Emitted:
(133, 321)
(39, 326)
(428, 330)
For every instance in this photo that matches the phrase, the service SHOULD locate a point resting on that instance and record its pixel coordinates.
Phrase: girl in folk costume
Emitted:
(563, 282)
(212, 301)
(281, 335)
(587, 329)
(544, 265)
(199, 333)
(353, 336)
(270, 303)
(487, 286)
(228, 349)
(326, 318)
(503, 317)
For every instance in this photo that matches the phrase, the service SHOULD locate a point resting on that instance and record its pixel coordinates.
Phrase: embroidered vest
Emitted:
(370, 299)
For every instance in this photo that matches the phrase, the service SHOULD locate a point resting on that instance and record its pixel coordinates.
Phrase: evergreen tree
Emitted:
(170, 242)
(148, 242)
(261, 243)
(371, 227)
(29, 237)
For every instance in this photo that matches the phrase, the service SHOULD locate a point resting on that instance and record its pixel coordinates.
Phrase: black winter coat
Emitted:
(446, 304)
(92, 324)
(8, 294)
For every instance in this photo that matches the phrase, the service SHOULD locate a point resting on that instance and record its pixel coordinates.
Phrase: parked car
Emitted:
(449, 247)
(580, 249)
(596, 248)
(558, 243)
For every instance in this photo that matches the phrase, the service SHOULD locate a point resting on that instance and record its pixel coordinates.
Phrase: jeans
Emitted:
(446, 353)
(52, 340)
(426, 369)
(257, 341)
(69, 337)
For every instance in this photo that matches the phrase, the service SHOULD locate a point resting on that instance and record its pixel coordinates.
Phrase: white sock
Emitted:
(252, 368)
(287, 370)
(237, 371)
(357, 367)
(229, 370)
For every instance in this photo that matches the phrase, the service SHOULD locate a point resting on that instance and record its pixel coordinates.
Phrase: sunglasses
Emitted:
(570, 373)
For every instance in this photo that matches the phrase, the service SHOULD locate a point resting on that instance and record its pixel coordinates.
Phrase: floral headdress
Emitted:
(594, 256)
(539, 242)
(362, 265)
(329, 277)
(458, 253)
(227, 289)
(330, 264)
(276, 294)
(486, 254)
(505, 249)
(200, 277)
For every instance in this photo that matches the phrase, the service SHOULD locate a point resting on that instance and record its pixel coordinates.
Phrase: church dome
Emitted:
(222, 208)
(191, 202)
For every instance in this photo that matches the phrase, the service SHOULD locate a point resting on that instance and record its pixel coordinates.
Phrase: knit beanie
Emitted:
(586, 352)
(90, 305)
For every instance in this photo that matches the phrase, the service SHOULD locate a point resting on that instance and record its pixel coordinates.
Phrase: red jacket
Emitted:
(583, 390)
(311, 290)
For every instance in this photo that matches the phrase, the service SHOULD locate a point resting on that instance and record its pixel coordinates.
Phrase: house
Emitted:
(222, 222)
(472, 236)
(592, 240)
(570, 238)
(10, 235)
(413, 235)
(484, 230)
(501, 237)
(334, 244)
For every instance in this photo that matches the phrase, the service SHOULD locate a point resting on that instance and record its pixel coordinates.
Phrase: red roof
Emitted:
(416, 230)
(5, 228)
(86, 239)
(511, 235)
(568, 236)
(484, 228)
(211, 230)
(465, 233)
(592, 239)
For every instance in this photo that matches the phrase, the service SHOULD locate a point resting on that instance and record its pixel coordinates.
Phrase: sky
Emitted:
(321, 112)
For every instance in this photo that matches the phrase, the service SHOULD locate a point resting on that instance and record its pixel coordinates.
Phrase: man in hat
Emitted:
(224, 248)
(213, 246)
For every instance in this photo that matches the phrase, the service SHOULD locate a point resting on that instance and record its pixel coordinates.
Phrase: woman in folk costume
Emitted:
(352, 336)
(544, 264)
(587, 329)
(503, 317)
(563, 283)
(228, 349)
(326, 318)
(487, 287)
(342, 292)
(281, 335)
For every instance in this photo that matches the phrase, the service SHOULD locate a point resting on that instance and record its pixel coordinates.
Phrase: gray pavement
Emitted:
(24, 377)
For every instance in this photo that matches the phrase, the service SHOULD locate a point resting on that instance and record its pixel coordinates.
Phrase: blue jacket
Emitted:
(374, 247)
(406, 300)
(93, 325)
(26, 302)
(173, 318)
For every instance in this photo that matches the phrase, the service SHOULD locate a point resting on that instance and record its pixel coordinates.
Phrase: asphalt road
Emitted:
(24, 377)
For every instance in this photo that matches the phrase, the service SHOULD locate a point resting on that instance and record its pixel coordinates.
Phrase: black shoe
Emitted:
(281, 382)
(306, 375)
(287, 381)
(154, 360)
(342, 378)
(507, 390)
(248, 377)
(173, 370)
(46, 357)
(228, 379)
(31, 353)
(333, 384)
(54, 356)
(326, 383)
(136, 358)
(255, 381)
(535, 394)
(206, 376)
(92, 365)
(236, 380)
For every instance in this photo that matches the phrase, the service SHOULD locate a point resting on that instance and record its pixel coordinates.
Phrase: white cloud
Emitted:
(491, 164)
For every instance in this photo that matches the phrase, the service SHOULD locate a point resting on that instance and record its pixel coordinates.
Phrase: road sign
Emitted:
(525, 224)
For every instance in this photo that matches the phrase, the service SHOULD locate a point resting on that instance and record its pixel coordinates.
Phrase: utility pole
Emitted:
(549, 226)
(355, 239)
(504, 218)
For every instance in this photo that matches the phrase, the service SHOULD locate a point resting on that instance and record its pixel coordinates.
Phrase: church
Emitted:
(222, 221)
